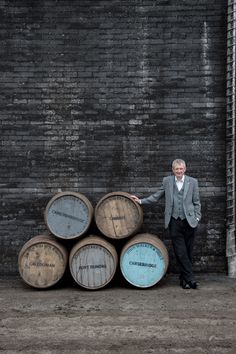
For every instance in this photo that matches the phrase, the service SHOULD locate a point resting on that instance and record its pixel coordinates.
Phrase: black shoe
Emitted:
(193, 284)
(184, 284)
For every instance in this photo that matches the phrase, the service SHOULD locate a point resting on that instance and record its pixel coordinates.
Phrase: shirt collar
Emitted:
(181, 180)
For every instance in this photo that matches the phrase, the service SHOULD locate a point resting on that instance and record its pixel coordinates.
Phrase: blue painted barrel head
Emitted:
(68, 216)
(142, 265)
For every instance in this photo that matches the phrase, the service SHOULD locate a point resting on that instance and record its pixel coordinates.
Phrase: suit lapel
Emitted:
(171, 185)
(186, 186)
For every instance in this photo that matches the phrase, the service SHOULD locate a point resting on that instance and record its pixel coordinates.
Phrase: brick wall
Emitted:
(101, 96)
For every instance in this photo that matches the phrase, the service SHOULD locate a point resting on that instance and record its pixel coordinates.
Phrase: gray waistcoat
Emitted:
(178, 210)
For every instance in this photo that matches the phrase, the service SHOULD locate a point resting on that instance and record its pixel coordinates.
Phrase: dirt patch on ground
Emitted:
(163, 319)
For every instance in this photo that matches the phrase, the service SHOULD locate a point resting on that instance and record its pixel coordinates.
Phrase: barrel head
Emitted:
(68, 215)
(118, 216)
(93, 265)
(143, 264)
(42, 263)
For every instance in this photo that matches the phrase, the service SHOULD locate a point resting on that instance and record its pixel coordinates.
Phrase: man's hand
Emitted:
(136, 199)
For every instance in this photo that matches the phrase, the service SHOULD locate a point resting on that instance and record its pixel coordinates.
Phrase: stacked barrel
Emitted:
(93, 259)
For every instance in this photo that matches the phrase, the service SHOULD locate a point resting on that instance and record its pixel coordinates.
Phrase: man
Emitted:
(182, 214)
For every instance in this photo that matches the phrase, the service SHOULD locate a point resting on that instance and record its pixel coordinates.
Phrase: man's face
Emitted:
(179, 170)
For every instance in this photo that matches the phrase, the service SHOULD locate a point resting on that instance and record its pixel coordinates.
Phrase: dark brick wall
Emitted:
(101, 96)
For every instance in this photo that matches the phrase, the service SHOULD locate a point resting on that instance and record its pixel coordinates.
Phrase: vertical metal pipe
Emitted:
(230, 140)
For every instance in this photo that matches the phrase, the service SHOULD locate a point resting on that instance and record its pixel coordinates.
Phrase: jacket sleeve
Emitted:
(154, 197)
(196, 201)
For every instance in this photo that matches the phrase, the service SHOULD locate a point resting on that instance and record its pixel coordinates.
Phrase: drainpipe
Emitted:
(230, 141)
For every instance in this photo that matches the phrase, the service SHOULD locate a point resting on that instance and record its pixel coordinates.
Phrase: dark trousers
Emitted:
(182, 236)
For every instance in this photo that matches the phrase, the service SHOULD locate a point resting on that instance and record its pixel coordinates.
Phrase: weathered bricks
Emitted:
(100, 96)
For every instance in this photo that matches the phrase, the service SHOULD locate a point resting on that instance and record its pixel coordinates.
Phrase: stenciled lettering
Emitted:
(42, 264)
(142, 264)
(83, 267)
(92, 266)
(67, 215)
(118, 218)
(95, 266)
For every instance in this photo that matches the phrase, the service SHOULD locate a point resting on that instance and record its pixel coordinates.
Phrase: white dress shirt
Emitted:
(179, 183)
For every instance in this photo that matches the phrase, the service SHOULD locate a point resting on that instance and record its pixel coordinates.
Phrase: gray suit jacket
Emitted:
(191, 199)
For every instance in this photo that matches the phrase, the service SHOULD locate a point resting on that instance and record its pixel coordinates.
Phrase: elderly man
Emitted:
(182, 214)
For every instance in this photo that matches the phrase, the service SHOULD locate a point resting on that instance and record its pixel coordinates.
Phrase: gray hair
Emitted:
(178, 162)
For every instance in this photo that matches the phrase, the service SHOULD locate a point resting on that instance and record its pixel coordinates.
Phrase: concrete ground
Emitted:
(119, 319)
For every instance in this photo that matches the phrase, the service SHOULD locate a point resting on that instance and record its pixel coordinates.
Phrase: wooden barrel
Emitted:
(93, 262)
(42, 261)
(144, 260)
(118, 216)
(68, 215)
